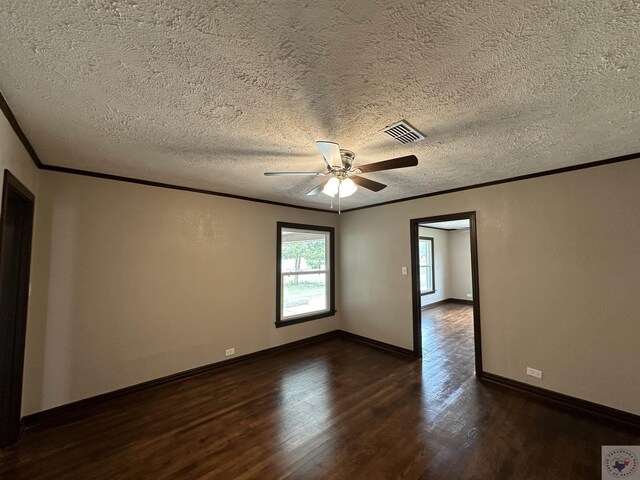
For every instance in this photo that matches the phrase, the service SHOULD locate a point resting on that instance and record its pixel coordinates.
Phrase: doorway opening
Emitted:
(445, 290)
(16, 225)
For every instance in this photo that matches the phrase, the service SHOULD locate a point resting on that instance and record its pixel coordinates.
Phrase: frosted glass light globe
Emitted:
(331, 187)
(347, 187)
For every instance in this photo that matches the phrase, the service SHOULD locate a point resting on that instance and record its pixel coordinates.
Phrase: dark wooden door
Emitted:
(16, 225)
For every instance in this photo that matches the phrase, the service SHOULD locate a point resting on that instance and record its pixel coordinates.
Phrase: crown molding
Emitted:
(555, 171)
(119, 178)
(4, 106)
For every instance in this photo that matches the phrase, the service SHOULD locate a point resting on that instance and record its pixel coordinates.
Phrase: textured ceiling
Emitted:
(449, 225)
(211, 94)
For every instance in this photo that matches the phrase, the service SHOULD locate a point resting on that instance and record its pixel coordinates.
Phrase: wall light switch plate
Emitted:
(534, 373)
(404, 270)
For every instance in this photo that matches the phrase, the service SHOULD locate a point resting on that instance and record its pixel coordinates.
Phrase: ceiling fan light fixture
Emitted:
(340, 169)
(347, 187)
(331, 187)
(343, 186)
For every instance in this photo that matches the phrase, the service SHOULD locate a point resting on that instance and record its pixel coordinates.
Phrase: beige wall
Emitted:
(15, 158)
(441, 261)
(452, 251)
(558, 266)
(459, 282)
(133, 283)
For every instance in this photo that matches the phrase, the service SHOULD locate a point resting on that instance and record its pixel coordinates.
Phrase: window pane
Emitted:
(425, 262)
(422, 252)
(303, 294)
(305, 266)
(303, 250)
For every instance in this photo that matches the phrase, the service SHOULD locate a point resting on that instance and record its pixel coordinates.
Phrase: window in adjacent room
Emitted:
(425, 254)
(305, 268)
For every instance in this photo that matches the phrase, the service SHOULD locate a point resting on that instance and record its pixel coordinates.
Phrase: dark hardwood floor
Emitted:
(330, 410)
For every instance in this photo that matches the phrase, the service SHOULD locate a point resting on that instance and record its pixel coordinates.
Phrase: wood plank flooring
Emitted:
(330, 410)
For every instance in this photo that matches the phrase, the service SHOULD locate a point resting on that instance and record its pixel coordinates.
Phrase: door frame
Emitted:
(14, 331)
(415, 282)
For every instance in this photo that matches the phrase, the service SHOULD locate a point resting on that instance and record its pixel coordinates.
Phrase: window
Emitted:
(305, 270)
(425, 254)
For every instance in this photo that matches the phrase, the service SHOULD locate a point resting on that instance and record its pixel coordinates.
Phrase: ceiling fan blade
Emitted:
(330, 152)
(319, 188)
(368, 184)
(400, 162)
(293, 174)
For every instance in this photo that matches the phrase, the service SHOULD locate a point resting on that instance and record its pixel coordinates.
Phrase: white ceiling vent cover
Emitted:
(403, 132)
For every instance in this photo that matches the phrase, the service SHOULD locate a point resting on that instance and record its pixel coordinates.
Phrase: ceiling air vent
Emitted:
(403, 132)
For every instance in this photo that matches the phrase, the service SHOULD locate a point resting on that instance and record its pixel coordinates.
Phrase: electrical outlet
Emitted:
(229, 351)
(469, 295)
(404, 270)
(534, 373)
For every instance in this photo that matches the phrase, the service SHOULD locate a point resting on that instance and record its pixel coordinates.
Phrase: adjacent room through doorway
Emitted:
(446, 303)
(446, 330)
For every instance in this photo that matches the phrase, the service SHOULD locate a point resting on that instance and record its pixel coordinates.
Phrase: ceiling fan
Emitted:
(343, 177)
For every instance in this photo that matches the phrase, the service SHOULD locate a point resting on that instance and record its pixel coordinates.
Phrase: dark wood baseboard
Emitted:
(80, 409)
(447, 300)
(435, 304)
(460, 301)
(573, 403)
(71, 412)
(387, 347)
(74, 411)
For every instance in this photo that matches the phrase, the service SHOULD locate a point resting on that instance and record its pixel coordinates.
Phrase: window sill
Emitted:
(315, 316)
(427, 293)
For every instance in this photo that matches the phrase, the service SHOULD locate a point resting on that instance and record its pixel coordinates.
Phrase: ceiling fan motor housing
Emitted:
(347, 157)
